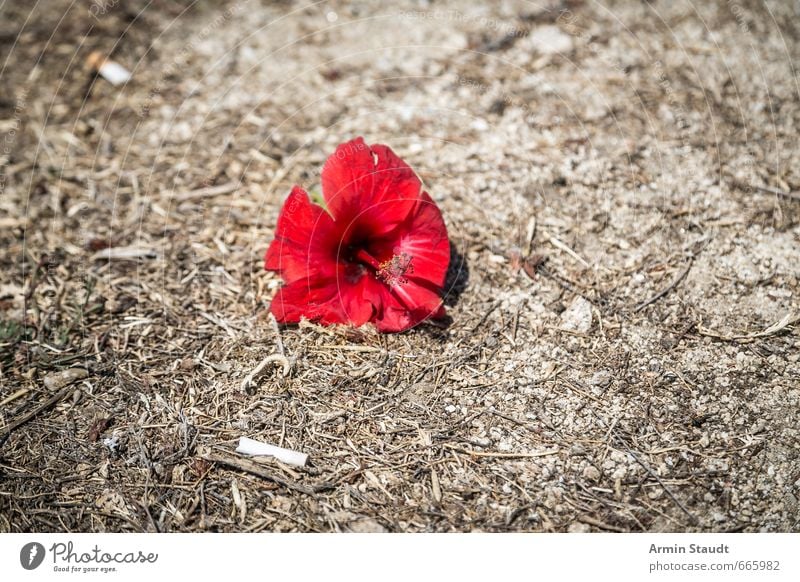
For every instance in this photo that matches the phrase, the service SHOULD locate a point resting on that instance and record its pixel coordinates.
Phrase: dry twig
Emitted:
(259, 470)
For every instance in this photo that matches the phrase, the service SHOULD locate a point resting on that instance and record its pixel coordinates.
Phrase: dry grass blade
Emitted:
(125, 254)
(768, 190)
(277, 358)
(27, 417)
(784, 323)
(208, 192)
(674, 283)
(563, 246)
(502, 455)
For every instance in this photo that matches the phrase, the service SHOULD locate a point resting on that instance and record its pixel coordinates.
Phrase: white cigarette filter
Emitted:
(114, 73)
(110, 70)
(254, 448)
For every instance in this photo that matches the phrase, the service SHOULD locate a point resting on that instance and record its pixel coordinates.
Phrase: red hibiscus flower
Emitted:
(377, 252)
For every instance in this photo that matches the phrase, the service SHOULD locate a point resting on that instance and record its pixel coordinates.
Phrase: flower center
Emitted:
(392, 272)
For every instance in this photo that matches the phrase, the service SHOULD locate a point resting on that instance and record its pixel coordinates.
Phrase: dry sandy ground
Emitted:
(620, 185)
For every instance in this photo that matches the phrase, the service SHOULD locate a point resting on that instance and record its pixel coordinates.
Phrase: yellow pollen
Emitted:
(393, 271)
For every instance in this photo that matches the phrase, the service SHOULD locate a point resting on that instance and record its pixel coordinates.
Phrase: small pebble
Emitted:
(591, 473)
(57, 380)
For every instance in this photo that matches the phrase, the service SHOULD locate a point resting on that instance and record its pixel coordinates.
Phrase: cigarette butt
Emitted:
(110, 70)
(248, 446)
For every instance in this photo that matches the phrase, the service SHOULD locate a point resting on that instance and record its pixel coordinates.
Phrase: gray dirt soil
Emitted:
(620, 183)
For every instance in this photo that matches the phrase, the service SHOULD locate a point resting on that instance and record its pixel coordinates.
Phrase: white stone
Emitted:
(578, 316)
(550, 40)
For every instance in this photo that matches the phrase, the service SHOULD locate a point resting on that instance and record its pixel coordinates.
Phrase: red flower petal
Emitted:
(327, 301)
(404, 306)
(368, 185)
(306, 240)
